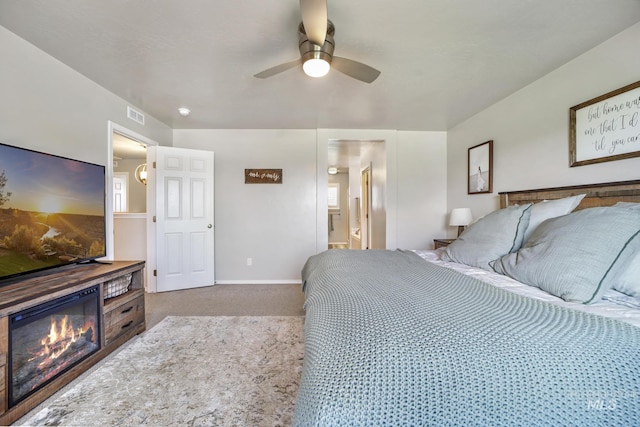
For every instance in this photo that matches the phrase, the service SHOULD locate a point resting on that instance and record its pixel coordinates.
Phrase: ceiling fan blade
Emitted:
(314, 19)
(277, 69)
(355, 69)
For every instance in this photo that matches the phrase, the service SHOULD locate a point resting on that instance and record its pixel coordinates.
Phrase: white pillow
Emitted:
(622, 299)
(492, 236)
(550, 209)
(628, 205)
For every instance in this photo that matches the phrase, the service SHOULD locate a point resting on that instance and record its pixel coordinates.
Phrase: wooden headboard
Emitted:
(606, 194)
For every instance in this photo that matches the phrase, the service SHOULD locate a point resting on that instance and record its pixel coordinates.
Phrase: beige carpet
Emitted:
(226, 300)
(190, 371)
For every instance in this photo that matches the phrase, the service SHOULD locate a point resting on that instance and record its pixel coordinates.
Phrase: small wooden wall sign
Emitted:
(263, 176)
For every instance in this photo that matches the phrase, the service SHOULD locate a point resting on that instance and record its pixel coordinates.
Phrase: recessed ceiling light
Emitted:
(184, 111)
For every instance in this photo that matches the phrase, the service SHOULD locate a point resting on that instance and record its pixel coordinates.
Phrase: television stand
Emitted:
(122, 317)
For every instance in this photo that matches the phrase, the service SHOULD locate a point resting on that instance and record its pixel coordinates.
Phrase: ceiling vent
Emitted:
(134, 115)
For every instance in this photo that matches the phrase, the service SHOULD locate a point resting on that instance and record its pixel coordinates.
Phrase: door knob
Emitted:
(209, 226)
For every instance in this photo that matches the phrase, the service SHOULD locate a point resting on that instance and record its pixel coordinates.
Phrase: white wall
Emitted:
(530, 128)
(340, 220)
(374, 156)
(274, 224)
(130, 235)
(422, 188)
(47, 106)
(354, 201)
(280, 225)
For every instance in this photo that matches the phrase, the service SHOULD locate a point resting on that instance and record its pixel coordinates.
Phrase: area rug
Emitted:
(190, 371)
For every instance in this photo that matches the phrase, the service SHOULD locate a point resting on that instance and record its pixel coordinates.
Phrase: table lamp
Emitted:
(460, 217)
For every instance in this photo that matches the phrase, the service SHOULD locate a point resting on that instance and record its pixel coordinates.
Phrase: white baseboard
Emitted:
(258, 282)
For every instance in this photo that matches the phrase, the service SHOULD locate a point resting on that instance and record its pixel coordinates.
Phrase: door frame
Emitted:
(112, 128)
(390, 138)
(365, 211)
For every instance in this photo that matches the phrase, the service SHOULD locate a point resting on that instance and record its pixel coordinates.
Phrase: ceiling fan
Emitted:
(316, 44)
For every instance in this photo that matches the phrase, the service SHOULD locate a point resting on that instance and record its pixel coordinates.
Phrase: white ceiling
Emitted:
(441, 60)
(125, 148)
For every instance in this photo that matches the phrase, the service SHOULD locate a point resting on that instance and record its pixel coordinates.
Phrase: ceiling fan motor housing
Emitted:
(309, 50)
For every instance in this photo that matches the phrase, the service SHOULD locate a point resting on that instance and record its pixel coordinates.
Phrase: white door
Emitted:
(120, 194)
(183, 182)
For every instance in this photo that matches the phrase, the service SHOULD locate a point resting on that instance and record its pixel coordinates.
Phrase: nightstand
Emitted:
(441, 243)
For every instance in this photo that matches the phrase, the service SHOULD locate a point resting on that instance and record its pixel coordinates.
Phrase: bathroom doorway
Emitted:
(357, 168)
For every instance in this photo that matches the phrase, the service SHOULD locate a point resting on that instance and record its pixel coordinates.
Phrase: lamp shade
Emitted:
(460, 217)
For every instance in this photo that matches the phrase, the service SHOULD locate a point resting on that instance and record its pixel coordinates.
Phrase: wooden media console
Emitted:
(121, 318)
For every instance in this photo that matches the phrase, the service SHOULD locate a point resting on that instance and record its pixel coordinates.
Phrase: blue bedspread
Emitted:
(392, 340)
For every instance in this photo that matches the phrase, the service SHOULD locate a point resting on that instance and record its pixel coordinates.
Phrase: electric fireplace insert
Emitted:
(49, 339)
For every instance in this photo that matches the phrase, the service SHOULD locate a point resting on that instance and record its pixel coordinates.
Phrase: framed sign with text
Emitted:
(606, 128)
(263, 176)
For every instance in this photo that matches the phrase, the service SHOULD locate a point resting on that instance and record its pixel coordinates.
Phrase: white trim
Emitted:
(112, 128)
(130, 215)
(258, 282)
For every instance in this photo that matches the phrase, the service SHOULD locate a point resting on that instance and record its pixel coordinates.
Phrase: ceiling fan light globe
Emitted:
(316, 67)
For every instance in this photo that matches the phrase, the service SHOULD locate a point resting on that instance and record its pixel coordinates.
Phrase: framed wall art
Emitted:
(480, 168)
(263, 176)
(606, 128)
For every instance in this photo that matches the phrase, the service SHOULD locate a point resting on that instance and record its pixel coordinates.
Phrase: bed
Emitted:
(531, 317)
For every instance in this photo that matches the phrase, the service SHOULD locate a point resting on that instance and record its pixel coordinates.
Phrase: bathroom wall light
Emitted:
(332, 170)
(141, 174)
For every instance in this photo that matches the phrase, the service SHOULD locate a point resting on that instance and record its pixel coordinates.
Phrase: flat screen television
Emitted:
(52, 212)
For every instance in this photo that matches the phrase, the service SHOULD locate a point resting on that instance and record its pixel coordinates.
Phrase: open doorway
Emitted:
(126, 218)
(355, 224)
(129, 180)
(129, 198)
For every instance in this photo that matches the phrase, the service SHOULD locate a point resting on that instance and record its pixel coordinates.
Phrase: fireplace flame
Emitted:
(61, 336)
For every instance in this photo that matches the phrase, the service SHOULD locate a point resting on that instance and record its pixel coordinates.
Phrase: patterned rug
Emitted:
(189, 371)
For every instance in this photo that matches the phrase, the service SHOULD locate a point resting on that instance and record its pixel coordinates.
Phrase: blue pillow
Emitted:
(489, 238)
(578, 256)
